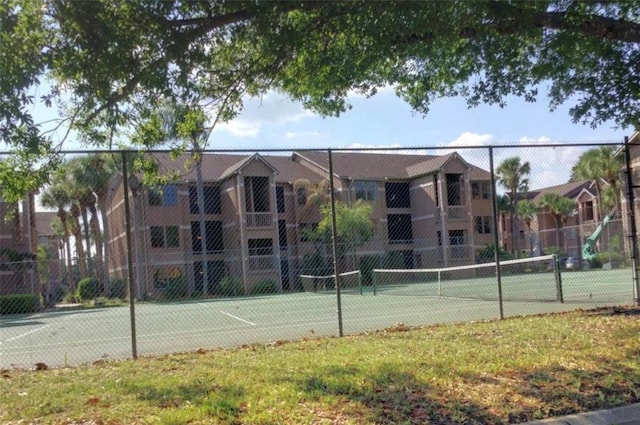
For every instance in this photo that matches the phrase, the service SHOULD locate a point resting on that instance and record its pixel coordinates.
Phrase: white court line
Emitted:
(237, 318)
(27, 333)
(35, 330)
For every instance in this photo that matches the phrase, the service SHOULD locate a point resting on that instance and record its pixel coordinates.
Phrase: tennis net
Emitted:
(349, 282)
(528, 279)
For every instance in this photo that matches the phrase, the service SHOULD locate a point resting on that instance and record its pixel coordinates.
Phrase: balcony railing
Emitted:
(261, 262)
(457, 212)
(259, 220)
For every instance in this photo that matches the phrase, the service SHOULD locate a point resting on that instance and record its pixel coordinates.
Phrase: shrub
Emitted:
(367, 264)
(176, 288)
(550, 250)
(266, 286)
(230, 287)
(117, 288)
(70, 298)
(18, 304)
(314, 264)
(87, 289)
(393, 260)
(607, 257)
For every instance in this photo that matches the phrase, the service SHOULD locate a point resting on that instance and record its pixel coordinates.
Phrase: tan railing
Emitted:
(457, 212)
(259, 220)
(261, 262)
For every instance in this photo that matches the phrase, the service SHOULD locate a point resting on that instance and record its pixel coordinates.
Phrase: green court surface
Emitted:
(79, 336)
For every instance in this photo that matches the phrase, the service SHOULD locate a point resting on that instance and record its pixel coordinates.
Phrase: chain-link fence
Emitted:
(110, 260)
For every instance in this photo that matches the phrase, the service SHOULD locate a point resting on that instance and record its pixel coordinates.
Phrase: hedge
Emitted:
(18, 304)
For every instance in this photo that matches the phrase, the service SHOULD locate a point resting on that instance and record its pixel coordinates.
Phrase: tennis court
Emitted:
(79, 336)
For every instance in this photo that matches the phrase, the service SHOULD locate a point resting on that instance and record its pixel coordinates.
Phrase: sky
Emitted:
(387, 121)
(275, 122)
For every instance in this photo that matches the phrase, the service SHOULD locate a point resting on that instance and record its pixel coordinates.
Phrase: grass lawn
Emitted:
(497, 372)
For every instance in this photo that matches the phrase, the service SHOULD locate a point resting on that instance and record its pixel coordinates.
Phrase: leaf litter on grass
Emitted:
(498, 372)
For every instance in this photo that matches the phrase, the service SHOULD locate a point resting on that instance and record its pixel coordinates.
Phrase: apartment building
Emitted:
(431, 210)
(634, 162)
(18, 245)
(568, 233)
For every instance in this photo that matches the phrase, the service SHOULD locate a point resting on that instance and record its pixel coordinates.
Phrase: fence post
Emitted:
(496, 240)
(334, 243)
(127, 223)
(632, 223)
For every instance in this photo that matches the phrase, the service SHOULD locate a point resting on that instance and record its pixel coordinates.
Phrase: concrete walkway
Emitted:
(625, 415)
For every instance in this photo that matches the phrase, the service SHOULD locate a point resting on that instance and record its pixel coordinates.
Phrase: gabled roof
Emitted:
(237, 167)
(217, 167)
(570, 190)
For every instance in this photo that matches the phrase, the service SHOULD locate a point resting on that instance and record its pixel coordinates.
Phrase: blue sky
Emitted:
(384, 120)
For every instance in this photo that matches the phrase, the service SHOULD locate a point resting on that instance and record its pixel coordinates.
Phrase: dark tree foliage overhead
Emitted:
(109, 64)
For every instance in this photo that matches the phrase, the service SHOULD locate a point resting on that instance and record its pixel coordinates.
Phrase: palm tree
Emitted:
(91, 174)
(55, 196)
(503, 207)
(513, 176)
(600, 164)
(528, 210)
(560, 208)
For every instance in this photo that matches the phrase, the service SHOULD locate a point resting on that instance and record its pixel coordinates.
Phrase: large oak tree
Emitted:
(108, 63)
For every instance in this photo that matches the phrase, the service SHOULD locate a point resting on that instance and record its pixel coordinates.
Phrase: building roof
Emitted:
(570, 190)
(217, 167)
(379, 166)
(353, 165)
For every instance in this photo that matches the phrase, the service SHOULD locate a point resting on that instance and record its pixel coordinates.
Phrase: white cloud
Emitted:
(550, 166)
(301, 134)
(270, 109)
(241, 128)
(393, 148)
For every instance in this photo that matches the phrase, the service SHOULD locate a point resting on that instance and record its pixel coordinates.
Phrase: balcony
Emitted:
(262, 220)
(262, 262)
(457, 212)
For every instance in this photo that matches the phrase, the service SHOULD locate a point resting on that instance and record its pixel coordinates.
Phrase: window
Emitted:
(282, 233)
(166, 196)
(260, 247)
(165, 237)
(261, 254)
(397, 195)
(399, 228)
(587, 211)
(454, 189)
(366, 190)
(211, 200)
(161, 277)
(280, 198)
(436, 191)
(456, 242)
(256, 192)
(480, 190)
(301, 194)
(215, 241)
(483, 224)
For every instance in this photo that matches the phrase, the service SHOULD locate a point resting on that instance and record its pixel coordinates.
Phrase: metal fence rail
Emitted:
(108, 262)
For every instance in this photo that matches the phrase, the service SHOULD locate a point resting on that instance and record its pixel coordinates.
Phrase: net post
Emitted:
(558, 276)
(439, 283)
(373, 281)
(360, 283)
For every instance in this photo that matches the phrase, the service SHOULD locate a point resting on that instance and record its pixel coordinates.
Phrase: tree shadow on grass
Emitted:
(217, 402)
(391, 396)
